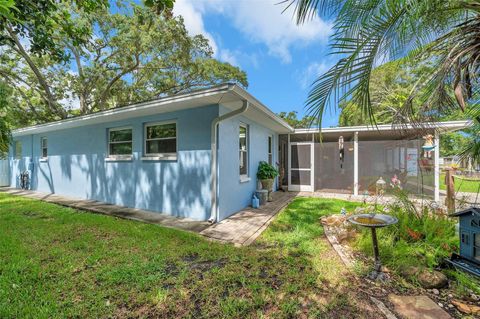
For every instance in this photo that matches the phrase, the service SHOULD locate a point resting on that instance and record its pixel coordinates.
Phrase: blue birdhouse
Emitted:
(469, 233)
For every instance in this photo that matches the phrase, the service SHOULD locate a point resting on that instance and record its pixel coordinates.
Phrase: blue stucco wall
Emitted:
(76, 166)
(234, 195)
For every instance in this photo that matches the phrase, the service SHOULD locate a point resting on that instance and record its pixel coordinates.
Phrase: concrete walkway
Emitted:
(242, 228)
(113, 210)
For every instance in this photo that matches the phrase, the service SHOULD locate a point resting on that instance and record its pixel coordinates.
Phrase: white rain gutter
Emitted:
(213, 165)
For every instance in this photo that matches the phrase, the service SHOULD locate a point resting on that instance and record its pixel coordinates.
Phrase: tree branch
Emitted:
(106, 92)
(81, 94)
(53, 105)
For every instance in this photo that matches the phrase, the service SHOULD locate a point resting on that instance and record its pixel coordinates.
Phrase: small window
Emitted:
(120, 142)
(270, 147)
(161, 140)
(18, 150)
(44, 147)
(243, 148)
(465, 239)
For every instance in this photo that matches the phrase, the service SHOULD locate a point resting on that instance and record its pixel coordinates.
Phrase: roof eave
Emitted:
(470, 210)
(242, 93)
(443, 126)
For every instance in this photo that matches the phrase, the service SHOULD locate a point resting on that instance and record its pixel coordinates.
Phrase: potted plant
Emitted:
(266, 174)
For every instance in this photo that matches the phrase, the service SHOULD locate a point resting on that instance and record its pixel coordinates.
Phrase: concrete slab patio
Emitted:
(113, 210)
(242, 228)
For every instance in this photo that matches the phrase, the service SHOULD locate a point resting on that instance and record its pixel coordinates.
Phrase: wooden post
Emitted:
(450, 184)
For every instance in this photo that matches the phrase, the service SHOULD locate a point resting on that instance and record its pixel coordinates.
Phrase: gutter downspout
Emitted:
(213, 165)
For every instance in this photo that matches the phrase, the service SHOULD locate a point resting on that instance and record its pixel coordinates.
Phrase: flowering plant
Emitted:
(395, 182)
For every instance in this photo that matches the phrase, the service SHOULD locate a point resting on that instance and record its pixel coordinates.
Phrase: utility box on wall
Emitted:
(4, 173)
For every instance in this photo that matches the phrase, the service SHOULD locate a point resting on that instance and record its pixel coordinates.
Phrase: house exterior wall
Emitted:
(76, 165)
(233, 194)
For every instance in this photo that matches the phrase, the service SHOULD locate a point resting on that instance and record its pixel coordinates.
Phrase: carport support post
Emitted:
(355, 164)
(436, 167)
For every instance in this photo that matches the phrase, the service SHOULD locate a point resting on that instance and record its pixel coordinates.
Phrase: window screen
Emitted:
(44, 147)
(243, 149)
(161, 139)
(270, 147)
(18, 150)
(120, 142)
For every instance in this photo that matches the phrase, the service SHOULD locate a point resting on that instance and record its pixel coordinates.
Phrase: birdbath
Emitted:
(374, 221)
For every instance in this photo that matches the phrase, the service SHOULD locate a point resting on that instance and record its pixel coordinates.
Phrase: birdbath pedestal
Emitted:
(374, 221)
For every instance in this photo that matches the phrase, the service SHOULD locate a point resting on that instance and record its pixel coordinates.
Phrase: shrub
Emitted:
(422, 237)
(266, 171)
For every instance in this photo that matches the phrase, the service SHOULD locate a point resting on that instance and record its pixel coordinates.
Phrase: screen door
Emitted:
(300, 177)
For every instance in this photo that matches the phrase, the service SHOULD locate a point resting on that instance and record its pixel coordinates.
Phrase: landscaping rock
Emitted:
(410, 271)
(432, 279)
(466, 308)
(345, 235)
(333, 220)
(417, 307)
(435, 291)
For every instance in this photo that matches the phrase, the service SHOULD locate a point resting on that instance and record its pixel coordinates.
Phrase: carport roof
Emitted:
(393, 129)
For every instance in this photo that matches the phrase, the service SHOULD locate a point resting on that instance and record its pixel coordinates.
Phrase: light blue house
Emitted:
(193, 155)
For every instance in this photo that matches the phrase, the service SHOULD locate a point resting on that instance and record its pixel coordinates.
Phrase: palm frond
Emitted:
(367, 32)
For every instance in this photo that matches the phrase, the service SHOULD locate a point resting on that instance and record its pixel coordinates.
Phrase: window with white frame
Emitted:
(120, 142)
(270, 148)
(243, 150)
(44, 147)
(161, 140)
(18, 150)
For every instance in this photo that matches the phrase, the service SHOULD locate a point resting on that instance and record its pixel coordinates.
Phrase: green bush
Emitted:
(422, 237)
(266, 171)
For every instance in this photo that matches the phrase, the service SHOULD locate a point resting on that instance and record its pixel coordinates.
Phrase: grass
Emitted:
(58, 262)
(462, 185)
(420, 239)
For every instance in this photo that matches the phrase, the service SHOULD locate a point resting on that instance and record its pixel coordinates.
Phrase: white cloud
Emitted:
(311, 72)
(229, 56)
(260, 21)
(193, 19)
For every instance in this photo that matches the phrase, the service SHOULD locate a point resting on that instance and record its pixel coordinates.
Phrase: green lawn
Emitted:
(462, 185)
(57, 262)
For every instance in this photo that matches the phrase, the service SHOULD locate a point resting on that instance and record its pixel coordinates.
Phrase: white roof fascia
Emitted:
(261, 107)
(446, 126)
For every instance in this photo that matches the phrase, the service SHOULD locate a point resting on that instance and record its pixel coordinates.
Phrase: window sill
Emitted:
(245, 179)
(118, 159)
(159, 158)
(43, 160)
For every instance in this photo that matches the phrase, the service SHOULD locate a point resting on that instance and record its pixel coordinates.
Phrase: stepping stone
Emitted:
(417, 307)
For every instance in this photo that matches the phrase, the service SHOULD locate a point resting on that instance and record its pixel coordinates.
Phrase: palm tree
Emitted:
(369, 32)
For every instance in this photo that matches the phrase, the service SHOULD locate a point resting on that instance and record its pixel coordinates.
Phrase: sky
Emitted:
(281, 59)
